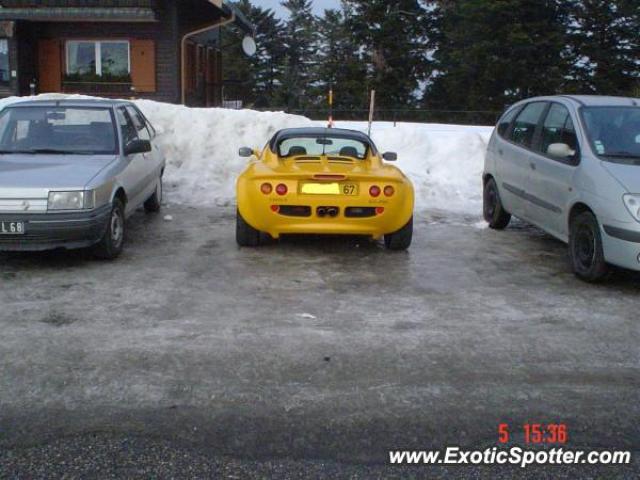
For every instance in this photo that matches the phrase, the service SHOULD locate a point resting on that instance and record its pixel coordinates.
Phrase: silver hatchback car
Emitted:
(72, 171)
(571, 166)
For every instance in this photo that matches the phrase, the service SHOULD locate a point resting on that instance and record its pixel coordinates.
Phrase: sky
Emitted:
(318, 5)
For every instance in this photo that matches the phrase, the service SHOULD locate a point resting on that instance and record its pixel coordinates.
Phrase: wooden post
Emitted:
(372, 107)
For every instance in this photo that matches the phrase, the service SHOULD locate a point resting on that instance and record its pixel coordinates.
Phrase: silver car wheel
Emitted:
(117, 228)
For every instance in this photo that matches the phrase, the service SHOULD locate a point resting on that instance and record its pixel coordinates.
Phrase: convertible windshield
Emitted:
(57, 130)
(325, 145)
(614, 132)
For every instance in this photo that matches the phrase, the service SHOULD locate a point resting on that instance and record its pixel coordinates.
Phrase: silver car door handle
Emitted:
(532, 165)
(500, 151)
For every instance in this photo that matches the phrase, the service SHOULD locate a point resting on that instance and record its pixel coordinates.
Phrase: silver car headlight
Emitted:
(632, 202)
(82, 200)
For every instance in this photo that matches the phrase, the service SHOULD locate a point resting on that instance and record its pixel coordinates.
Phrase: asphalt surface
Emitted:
(308, 358)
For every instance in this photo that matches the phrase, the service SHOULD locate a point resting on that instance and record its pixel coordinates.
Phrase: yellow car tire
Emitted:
(400, 240)
(246, 235)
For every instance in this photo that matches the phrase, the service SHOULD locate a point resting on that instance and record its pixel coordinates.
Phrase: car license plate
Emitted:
(349, 189)
(12, 228)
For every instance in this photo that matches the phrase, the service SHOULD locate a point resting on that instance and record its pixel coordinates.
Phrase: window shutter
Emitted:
(143, 65)
(49, 66)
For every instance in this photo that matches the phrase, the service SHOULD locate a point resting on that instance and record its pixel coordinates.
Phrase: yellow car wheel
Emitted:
(400, 240)
(246, 235)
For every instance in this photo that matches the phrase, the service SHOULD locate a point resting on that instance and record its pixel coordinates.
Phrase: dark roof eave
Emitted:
(240, 19)
(80, 14)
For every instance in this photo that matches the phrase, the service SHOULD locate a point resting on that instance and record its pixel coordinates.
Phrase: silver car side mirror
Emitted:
(560, 150)
(137, 146)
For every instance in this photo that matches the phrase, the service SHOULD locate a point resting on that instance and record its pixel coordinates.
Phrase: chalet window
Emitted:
(5, 73)
(99, 60)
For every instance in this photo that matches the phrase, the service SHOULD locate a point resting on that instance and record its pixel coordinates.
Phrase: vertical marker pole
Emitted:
(372, 107)
(330, 107)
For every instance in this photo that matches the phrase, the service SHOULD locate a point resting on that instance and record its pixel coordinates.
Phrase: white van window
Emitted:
(524, 128)
(505, 122)
(558, 128)
(614, 132)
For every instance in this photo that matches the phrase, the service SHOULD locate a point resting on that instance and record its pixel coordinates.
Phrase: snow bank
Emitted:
(201, 145)
(445, 162)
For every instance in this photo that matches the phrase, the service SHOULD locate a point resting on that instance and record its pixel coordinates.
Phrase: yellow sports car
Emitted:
(323, 181)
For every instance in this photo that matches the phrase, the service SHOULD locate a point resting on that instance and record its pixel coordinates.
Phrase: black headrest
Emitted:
(349, 152)
(297, 151)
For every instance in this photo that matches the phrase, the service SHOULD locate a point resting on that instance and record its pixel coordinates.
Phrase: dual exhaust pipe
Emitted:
(327, 212)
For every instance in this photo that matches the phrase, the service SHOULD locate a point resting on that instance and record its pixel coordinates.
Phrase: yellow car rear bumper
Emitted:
(357, 215)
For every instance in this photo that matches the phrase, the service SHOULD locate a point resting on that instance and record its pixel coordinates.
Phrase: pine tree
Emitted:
(256, 79)
(269, 58)
(606, 46)
(300, 45)
(339, 65)
(393, 38)
(491, 54)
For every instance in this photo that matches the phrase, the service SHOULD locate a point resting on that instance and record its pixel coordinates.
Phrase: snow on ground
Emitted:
(201, 145)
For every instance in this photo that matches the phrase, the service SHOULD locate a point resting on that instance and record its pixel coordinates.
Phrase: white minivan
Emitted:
(571, 166)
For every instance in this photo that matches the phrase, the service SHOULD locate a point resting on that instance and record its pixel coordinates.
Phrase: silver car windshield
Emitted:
(57, 130)
(614, 133)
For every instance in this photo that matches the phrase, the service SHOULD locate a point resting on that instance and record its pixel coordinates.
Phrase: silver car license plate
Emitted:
(12, 228)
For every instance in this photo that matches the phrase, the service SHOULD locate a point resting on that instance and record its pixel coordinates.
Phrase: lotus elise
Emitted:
(323, 181)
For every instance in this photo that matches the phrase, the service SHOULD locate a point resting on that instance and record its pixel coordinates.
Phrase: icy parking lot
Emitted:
(308, 358)
(329, 351)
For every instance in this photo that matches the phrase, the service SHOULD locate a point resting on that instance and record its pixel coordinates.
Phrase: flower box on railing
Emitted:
(98, 88)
